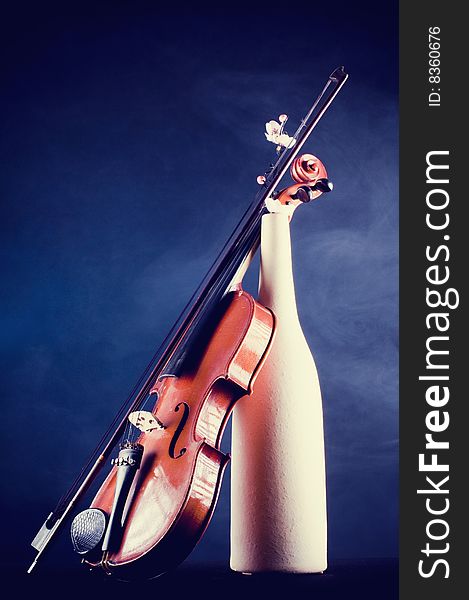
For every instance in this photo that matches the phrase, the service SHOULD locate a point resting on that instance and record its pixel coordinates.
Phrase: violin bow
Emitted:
(243, 241)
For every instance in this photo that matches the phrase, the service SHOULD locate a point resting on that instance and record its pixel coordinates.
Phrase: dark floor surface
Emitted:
(360, 580)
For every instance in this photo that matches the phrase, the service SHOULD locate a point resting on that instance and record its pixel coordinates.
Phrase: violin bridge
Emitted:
(145, 420)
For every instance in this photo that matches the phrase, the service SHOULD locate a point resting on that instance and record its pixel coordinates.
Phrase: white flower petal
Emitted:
(272, 127)
(285, 140)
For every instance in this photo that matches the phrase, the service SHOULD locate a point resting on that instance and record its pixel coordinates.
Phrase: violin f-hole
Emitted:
(180, 427)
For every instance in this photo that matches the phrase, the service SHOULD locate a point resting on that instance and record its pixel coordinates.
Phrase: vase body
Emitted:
(278, 488)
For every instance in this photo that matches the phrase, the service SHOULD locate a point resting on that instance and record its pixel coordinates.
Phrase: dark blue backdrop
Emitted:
(131, 141)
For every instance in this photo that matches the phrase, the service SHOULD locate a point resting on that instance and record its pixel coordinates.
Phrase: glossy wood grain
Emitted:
(176, 487)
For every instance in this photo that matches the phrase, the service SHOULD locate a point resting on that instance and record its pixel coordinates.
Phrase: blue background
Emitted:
(131, 141)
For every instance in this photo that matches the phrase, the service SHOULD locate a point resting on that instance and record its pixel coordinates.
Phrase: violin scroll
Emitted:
(310, 176)
(307, 169)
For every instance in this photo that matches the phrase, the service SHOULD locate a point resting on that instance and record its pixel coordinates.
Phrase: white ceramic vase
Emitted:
(278, 489)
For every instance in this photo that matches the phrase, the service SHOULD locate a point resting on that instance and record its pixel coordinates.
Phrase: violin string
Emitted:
(251, 220)
(124, 409)
(248, 223)
(251, 224)
(240, 244)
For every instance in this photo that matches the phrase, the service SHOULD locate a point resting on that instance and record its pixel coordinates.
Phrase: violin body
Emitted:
(176, 488)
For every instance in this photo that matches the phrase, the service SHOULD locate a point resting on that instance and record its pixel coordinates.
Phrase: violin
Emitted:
(161, 490)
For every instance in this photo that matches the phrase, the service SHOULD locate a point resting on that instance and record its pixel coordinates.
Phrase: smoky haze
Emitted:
(130, 147)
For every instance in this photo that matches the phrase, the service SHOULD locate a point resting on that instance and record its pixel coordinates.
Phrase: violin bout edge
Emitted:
(252, 351)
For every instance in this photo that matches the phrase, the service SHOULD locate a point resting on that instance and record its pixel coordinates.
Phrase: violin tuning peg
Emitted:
(323, 185)
(306, 193)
